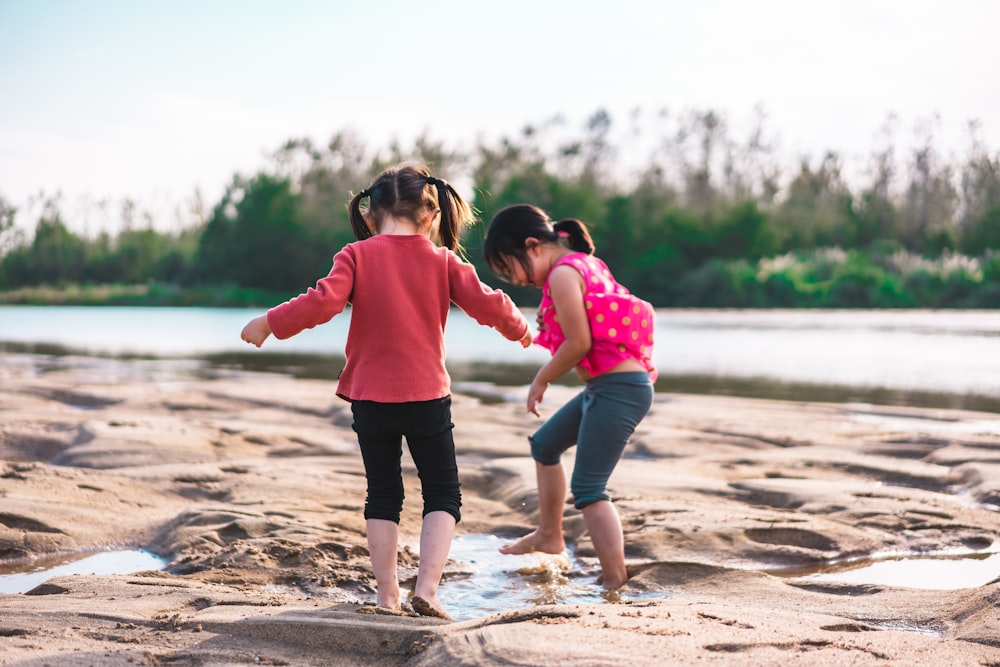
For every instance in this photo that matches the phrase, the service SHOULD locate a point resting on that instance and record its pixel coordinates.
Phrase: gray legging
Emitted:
(599, 421)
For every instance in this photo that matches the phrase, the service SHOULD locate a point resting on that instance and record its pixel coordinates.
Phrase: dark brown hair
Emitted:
(513, 225)
(402, 191)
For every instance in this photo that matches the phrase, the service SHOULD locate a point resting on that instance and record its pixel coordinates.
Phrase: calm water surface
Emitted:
(945, 358)
(20, 578)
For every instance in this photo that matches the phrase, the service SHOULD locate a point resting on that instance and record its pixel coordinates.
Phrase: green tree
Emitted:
(928, 216)
(816, 209)
(56, 255)
(984, 233)
(138, 254)
(256, 238)
(979, 190)
(744, 231)
(8, 214)
(875, 209)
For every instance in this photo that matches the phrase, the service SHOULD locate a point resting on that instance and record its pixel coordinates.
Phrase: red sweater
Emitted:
(400, 289)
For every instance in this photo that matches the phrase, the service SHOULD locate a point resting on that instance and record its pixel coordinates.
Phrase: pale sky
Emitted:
(153, 100)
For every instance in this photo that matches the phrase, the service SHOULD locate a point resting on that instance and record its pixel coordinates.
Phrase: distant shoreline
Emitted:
(170, 295)
(146, 294)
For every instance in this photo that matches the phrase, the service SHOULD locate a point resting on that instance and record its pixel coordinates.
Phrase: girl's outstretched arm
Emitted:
(256, 331)
(487, 306)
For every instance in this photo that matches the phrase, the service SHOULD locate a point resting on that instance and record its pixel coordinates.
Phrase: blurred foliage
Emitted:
(704, 220)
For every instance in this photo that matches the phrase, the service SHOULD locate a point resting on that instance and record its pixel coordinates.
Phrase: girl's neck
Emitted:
(402, 227)
(558, 252)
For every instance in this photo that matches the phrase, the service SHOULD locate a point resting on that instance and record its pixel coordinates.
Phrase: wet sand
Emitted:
(251, 486)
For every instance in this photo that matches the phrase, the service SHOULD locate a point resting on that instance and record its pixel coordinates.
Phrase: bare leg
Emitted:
(548, 537)
(435, 543)
(383, 537)
(605, 528)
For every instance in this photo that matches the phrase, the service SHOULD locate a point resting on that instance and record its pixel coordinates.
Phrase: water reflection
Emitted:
(304, 365)
(928, 572)
(770, 388)
(21, 578)
(490, 582)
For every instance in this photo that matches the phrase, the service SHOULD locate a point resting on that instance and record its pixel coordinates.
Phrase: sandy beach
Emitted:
(251, 488)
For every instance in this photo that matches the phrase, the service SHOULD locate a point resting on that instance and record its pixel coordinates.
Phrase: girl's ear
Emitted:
(531, 243)
(428, 216)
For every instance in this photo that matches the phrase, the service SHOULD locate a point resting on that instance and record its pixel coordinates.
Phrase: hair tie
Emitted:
(563, 234)
(364, 193)
(434, 181)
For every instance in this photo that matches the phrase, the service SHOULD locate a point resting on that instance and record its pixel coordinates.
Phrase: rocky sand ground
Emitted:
(251, 487)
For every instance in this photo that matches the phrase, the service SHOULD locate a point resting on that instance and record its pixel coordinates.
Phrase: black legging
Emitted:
(427, 427)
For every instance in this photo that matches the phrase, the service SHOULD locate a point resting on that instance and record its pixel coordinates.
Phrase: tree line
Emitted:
(700, 218)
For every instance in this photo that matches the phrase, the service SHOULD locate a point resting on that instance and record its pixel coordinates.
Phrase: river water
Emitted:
(924, 358)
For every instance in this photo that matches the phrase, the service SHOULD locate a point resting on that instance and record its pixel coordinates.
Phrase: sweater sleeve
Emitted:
(318, 304)
(482, 303)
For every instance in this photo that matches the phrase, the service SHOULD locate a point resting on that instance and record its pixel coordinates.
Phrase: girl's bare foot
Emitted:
(425, 608)
(532, 542)
(613, 583)
(387, 601)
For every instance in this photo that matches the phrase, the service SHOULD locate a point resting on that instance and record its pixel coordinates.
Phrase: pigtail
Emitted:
(358, 223)
(578, 236)
(455, 213)
(447, 229)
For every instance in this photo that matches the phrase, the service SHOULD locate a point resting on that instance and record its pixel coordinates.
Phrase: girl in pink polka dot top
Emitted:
(621, 325)
(592, 325)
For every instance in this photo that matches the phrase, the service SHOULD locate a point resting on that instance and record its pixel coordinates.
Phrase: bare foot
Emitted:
(387, 601)
(613, 579)
(534, 542)
(425, 608)
(612, 584)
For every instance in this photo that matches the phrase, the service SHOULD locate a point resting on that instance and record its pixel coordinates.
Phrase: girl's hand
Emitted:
(535, 393)
(256, 331)
(526, 339)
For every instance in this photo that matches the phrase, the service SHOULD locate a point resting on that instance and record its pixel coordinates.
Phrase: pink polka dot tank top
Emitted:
(621, 324)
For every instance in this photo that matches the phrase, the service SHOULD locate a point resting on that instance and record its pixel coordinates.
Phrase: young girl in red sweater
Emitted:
(400, 285)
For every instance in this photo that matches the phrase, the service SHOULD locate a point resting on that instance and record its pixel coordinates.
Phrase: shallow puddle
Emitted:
(21, 577)
(947, 572)
(491, 582)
